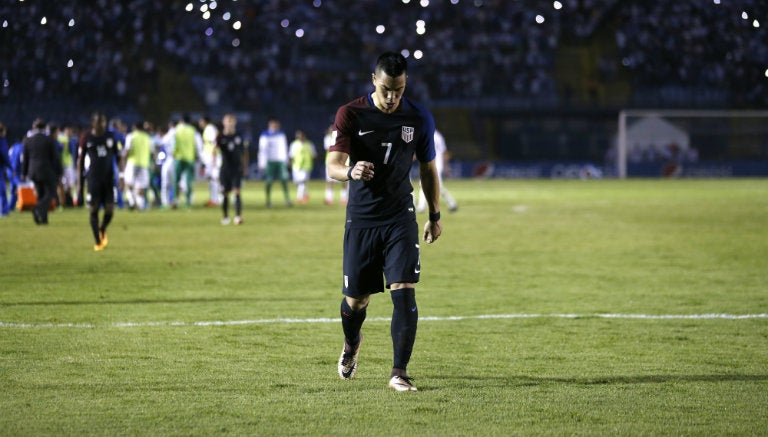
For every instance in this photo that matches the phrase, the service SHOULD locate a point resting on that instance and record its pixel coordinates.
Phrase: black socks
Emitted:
(94, 217)
(405, 317)
(351, 322)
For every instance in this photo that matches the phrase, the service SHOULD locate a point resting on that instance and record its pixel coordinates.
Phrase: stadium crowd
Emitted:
(259, 55)
(700, 46)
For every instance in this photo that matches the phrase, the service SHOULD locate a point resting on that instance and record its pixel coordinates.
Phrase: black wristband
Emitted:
(349, 173)
(434, 217)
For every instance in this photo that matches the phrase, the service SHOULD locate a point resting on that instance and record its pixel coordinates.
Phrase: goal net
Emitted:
(691, 143)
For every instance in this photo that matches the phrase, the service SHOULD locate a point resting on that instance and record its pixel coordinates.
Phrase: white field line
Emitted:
(713, 316)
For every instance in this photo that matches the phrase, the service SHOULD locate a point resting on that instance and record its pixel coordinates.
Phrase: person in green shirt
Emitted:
(187, 146)
(136, 159)
(65, 138)
(302, 155)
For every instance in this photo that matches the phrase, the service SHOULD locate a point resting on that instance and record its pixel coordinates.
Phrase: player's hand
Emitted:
(362, 171)
(432, 231)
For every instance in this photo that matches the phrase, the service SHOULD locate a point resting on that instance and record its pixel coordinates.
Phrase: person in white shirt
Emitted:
(210, 160)
(328, 141)
(440, 151)
(273, 159)
(167, 169)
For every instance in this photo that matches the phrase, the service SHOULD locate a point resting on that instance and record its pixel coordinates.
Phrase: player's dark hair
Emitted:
(39, 123)
(391, 63)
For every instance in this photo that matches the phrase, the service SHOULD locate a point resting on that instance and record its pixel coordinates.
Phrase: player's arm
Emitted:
(430, 183)
(215, 151)
(123, 155)
(339, 170)
(337, 166)
(120, 160)
(198, 146)
(24, 161)
(262, 157)
(80, 165)
(246, 158)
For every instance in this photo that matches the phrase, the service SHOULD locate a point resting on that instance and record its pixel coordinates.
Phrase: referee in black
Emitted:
(379, 133)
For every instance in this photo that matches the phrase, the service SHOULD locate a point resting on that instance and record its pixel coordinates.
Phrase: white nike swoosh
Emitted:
(361, 133)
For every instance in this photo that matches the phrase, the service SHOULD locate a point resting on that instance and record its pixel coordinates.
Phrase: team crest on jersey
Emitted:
(110, 143)
(407, 134)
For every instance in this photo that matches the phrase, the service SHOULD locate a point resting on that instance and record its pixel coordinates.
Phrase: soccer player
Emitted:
(5, 172)
(273, 159)
(188, 144)
(167, 167)
(234, 164)
(440, 151)
(136, 159)
(65, 138)
(101, 148)
(211, 161)
(119, 129)
(328, 140)
(15, 158)
(379, 134)
(302, 154)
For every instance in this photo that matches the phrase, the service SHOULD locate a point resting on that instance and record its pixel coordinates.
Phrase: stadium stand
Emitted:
(306, 55)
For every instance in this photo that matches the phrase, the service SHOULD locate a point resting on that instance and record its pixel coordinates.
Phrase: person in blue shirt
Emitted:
(14, 158)
(5, 172)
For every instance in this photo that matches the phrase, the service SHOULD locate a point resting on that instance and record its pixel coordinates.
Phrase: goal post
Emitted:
(706, 134)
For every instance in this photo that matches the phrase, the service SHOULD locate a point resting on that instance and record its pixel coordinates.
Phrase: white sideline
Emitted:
(712, 316)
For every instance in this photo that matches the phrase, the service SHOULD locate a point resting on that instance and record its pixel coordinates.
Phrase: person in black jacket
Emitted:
(42, 165)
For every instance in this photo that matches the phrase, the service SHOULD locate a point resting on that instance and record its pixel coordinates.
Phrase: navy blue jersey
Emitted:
(232, 148)
(101, 151)
(389, 141)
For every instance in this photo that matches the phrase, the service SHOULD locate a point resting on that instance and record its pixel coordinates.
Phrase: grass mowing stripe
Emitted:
(386, 319)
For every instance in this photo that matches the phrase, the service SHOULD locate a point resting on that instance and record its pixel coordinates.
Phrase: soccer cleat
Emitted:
(348, 360)
(401, 383)
(238, 220)
(98, 247)
(103, 238)
(225, 221)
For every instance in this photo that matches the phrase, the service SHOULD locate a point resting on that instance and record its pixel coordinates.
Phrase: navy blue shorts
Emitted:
(230, 178)
(372, 255)
(100, 192)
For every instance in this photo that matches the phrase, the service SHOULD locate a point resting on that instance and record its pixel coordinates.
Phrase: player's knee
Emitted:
(358, 303)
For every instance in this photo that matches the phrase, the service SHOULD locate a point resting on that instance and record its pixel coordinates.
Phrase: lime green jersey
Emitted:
(66, 155)
(185, 143)
(302, 154)
(140, 153)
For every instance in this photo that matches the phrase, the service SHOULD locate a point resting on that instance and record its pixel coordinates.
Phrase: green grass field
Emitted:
(548, 308)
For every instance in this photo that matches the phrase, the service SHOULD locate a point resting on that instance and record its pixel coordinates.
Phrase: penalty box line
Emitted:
(711, 316)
